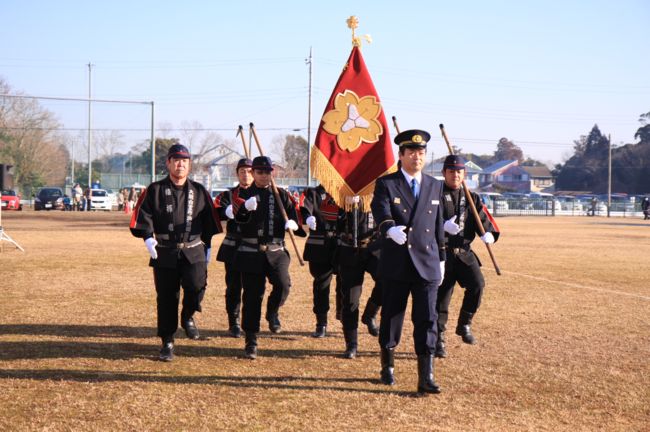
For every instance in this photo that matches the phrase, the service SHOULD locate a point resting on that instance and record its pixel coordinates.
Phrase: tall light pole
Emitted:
(90, 136)
(153, 147)
(310, 63)
(609, 176)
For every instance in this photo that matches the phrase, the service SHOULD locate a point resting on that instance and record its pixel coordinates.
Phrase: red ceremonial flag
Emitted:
(353, 146)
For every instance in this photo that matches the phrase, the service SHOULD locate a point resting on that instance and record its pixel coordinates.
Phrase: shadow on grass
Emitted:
(24, 350)
(105, 331)
(257, 382)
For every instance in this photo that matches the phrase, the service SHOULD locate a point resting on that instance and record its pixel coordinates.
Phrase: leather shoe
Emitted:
(167, 352)
(235, 331)
(274, 324)
(350, 351)
(320, 332)
(190, 328)
(250, 352)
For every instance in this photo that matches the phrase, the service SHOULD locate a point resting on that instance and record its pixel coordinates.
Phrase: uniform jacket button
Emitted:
(428, 211)
(427, 230)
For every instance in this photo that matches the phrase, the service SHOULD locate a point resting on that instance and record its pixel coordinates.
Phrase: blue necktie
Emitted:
(413, 188)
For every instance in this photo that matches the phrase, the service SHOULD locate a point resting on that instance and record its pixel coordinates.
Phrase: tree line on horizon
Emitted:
(32, 139)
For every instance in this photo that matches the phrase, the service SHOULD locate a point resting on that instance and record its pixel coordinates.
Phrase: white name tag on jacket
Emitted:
(435, 202)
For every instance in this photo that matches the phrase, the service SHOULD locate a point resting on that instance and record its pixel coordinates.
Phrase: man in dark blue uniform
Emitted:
(176, 219)
(226, 253)
(322, 216)
(406, 206)
(261, 253)
(462, 264)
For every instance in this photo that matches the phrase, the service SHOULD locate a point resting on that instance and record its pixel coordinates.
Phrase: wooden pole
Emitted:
(276, 193)
(240, 132)
(468, 196)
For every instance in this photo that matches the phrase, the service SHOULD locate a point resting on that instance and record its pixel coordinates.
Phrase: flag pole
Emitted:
(276, 194)
(468, 196)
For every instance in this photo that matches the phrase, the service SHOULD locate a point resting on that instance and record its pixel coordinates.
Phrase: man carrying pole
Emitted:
(462, 264)
(262, 253)
(229, 245)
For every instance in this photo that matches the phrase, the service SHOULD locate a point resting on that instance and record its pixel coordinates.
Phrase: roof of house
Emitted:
(499, 166)
(538, 171)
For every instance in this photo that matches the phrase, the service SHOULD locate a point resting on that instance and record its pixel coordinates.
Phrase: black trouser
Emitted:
(466, 270)
(423, 314)
(233, 290)
(322, 273)
(276, 269)
(192, 277)
(352, 275)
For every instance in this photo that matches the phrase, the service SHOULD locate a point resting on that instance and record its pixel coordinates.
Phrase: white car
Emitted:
(100, 200)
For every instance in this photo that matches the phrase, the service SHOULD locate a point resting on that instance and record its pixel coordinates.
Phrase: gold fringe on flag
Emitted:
(336, 186)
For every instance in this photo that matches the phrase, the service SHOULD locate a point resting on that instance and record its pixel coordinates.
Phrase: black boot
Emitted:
(464, 327)
(441, 351)
(426, 383)
(190, 328)
(167, 350)
(274, 322)
(234, 327)
(369, 317)
(321, 326)
(350, 343)
(387, 366)
(250, 351)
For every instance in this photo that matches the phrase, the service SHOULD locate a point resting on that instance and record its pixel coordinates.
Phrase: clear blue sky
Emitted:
(540, 73)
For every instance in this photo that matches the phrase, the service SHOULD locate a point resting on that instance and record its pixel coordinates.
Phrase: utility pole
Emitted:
(90, 136)
(609, 176)
(153, 147)
(72, 163)
(310, 63)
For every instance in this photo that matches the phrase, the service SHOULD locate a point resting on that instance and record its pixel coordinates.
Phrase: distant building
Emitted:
(541, 179)
(505, 175)
(472, 172)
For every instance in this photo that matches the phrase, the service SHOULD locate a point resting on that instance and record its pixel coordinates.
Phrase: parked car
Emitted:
(10, 200)
(100, 200)
(49, 198)
(570, 203)
(492, 200)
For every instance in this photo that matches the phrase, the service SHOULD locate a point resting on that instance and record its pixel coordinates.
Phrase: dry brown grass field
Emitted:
(564, 341)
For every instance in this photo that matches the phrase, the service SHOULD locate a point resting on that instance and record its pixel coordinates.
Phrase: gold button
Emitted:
(411, 229)
(405, 211)
(426, 247)
(429, 211)
(427, 230)
(409, 246)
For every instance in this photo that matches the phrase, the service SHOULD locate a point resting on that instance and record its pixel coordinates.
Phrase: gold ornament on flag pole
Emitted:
(353, 23)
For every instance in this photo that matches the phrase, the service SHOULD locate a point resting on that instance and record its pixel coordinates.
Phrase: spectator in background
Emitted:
(645, 206)
(88, 195)
(132, 198)
(120, 200)
(67, 203)
(77, 194)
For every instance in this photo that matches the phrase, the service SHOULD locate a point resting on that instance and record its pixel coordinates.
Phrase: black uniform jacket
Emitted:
(455, 204)
(261, 233)
(321, 243)
(367, 238)
(393, 204)
(233, 232)
(151, 218)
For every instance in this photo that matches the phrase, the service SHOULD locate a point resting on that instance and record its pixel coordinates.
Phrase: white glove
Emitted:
(291, 225)
(311, 223)
(397, 234)
(451, 226)
(151, 243)
(208, 251)
(487, 238)
(442, 272)
(229, 212)
(251, 204)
